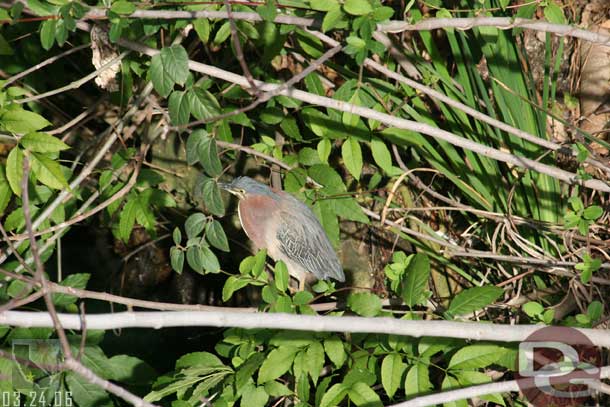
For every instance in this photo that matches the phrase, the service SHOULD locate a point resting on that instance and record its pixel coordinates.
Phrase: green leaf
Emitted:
(212, 198)
(122, 7)
(281, 276)
(365, 304)
(168, 67)
(86, 394)
(361, 394)
(132, 370)
(324, 148)
(415, 279)
(208, 156)
(334, 396)
(127, 219)
(192, 145)
(352, 156)
(392, 369)
(277, 363)
(476, 356)
(382, 156)
(269, 11)
(554, 14)
(5, 191)
(204, 105)
(450, 383)
(417, 381)
(593, 212)
(314, 360)
(532, 308)
(14, 170)
(276, 389)
(254, 396)
(333, 19)
(22, 121)
(473, 299)
(177, 236)
(47, 33)
(176, 257)
(202, 27)
(48, 171)
(78, 280)
(215, 234)
(179, 108)
(194, 224)
(42, 143)
(333, 346)
(233, 284)
(357, 7)
(324, 5)
(208, 260)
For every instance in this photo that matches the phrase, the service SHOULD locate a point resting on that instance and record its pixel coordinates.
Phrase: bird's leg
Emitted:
(302, 284)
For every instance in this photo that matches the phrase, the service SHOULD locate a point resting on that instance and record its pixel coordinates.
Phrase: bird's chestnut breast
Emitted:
(256, 214)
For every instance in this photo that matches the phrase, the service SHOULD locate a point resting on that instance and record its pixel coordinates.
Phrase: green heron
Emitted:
(287, 228)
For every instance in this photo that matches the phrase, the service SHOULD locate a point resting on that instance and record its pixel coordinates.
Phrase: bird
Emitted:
(277, 221)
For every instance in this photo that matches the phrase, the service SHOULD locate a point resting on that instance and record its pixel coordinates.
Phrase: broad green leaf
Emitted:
(209, 260)
(450, 383)
(168, 67)
(14, 170)
(277, 363)
(365, 304)
(357, 7)
(42, 143)
(476, 356)
(22, 121)
(176, 257)
(255, 397)
(246, 370)
(334, 395)
(361, 394)
(415, 279)
(132, 370)
(202, 27)
(85, 393)
(324, 5)
(208, 156)
(212, 198)
(123, 7)
(5, 190)
(232, 284)
(179, 108)
(204, 105)
(276, 389)
(333, 346)
(47, 33)
(215, 234)
(223, 33)
(418, 380)
(48, 171)
(392, 368)
(127, 219)
(382, 156)
(194, 224)
(333, 19)
(473, 299)
(324, 148)
(352, 156)
(78, 280)
(593, 212)
(282, 277)
(314, 360)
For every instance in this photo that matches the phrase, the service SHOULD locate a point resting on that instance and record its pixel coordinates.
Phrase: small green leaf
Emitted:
(179, 108)
(532, 309)
(42, 143)
(553, 13)
(47, 33)
(177, 236)
(392, 368)
(593, 212)
(215, 234)
(415, 279)
(209, 260)
(365, 304)
(281, 276)
(333, 19)
(352, 156)
(333, 346)
(204, 105)
(176, 257)
(473, 299)
(122, 7)
(357, 7)
(22, 121)
(324, 148)
(381, 155)
(208, 156)
(5, 191)
(202, 27)
(314, 360)
(212, 198)
(48, 171)
(194, 224)
(361, 394)
(232, 284)
(14, 170)
(127, 219)
(277, 363)
(168, 67)
(269, 11)
(476, 356)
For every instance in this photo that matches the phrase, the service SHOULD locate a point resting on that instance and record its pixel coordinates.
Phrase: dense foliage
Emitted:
(125, 170)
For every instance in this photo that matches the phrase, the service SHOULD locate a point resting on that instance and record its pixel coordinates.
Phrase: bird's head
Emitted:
(243, 187)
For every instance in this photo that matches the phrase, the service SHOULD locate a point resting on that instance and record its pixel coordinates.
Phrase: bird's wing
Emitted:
(302, 238)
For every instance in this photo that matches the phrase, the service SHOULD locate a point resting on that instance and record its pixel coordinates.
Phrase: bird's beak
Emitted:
(228, 187)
